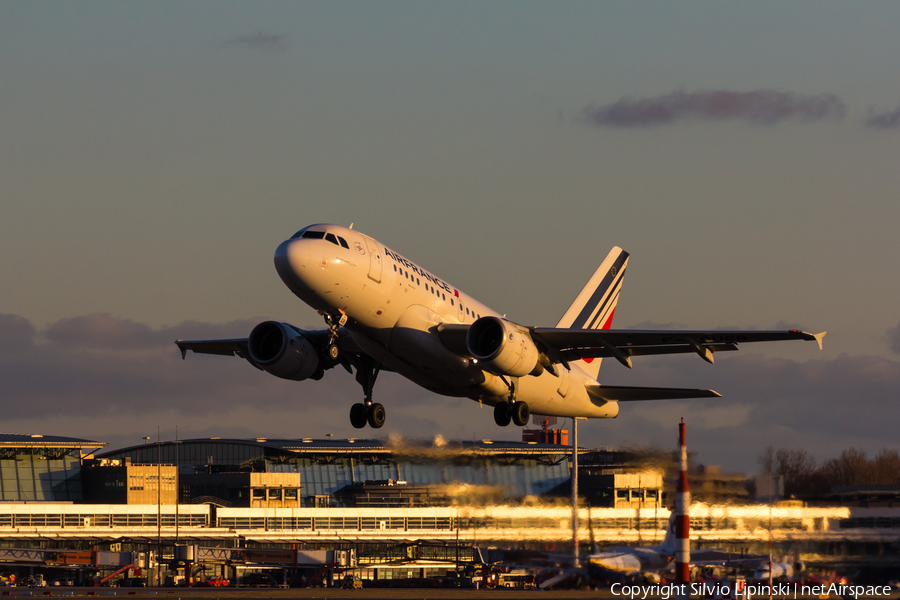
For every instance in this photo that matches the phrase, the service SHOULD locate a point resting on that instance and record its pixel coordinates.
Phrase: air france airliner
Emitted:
(385, 312)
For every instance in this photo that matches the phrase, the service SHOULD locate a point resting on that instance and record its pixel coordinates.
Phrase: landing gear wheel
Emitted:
(358, 415)
(520, 413)
(501, 414)
(376, 415)
(333, 351)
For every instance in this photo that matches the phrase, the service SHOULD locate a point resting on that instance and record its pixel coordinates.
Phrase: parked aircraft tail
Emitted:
(596, 304)
(668, 543)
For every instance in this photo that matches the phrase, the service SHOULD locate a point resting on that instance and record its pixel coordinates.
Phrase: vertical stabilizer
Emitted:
(596, 304)
(668, 544)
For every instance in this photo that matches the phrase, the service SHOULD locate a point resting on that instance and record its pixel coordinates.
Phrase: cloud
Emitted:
(100, 331)
(822, 405)
(83, 377)
(15, 332)
(759, 107)
(884, 120)
(260, 41)
(893, 336)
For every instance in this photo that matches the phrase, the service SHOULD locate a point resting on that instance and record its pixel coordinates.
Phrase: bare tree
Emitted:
(850, 468)
(796, 466)
(885, 469)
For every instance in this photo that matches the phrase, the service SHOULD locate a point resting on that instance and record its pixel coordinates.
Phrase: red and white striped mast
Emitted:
(682, 517)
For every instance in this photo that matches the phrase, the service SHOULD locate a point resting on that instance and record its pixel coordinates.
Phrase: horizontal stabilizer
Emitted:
(618, 393)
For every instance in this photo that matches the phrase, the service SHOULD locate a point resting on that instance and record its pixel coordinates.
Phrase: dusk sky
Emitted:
(747, 156)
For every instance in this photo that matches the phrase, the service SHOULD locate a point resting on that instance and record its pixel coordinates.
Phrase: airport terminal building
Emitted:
(384, 510)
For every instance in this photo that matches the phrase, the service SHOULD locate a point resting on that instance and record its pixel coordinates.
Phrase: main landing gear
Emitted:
(514, 411)
(367, 412)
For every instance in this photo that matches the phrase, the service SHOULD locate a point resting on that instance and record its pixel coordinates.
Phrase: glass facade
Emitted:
(40, 474)
(517, 477)
(325, 469)
(224, 456)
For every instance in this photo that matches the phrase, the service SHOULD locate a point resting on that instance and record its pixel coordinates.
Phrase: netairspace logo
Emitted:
(748, 592)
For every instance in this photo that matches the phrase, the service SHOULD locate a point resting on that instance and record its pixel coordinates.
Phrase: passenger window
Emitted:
(395, 268)
(315, 235)
(343, 242)
(451, 302)
(406, 273)
(330, 237)
(417, 281)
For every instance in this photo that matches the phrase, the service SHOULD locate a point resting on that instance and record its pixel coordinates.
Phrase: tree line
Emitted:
(804, 478)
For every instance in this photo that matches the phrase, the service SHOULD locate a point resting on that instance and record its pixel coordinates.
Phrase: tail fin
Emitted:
(668, 543)
(596, 304)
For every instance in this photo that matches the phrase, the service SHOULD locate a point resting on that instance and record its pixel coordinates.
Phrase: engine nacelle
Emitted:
(507, 348)
(278, 349)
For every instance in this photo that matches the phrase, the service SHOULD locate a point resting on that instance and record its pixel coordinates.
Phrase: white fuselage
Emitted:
(631, 560)
(393, 309)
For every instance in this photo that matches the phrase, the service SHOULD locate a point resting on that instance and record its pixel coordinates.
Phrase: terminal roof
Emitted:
(35, 440)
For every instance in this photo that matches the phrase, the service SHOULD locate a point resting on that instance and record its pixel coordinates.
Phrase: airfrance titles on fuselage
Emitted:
(421, 272)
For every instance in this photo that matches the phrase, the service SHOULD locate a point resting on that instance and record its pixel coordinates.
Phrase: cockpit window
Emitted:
(343, 242)
(330, 237)
(316, 235)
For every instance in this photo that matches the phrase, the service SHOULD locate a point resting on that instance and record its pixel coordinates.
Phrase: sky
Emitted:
(154, 155)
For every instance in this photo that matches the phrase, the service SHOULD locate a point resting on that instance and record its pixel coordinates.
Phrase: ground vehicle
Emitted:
(133, 582)
(352, 582)
(258, 580)
(68, 581)
(517, 578)
(214, 581)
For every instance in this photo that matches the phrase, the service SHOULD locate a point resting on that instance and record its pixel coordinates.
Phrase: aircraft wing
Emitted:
(238, 346)
(232, 347)
(350, 352)
(717, 557)
(566, 345)
(622, 344)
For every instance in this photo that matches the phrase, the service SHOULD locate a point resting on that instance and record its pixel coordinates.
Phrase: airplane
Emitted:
(785, 569)
(644, 561)
(386, 313)
(630, 560)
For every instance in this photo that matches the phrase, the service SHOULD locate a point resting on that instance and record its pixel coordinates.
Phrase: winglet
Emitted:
(818, 337)
(183, 350)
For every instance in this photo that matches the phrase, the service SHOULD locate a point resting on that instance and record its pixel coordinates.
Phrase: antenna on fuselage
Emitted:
(351, 225)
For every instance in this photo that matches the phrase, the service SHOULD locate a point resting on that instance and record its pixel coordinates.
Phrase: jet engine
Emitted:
(280, 350)
(505, 347)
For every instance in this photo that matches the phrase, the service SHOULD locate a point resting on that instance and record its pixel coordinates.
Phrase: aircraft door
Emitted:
(375, 259)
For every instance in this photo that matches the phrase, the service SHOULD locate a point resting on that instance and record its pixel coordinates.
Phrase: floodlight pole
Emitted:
(158, 506)
(577, 561)
(176, 484)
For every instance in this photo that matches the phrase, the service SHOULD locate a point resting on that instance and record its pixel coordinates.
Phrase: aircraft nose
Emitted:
(290, 261)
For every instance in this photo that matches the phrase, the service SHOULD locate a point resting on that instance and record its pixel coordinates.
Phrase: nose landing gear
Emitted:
(334, 325)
